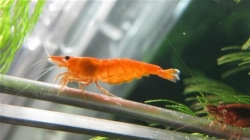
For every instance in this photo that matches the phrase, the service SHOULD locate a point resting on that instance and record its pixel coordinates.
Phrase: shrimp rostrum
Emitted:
(86, 70)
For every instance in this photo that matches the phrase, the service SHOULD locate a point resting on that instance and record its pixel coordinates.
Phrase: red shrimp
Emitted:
(86, 70)
(231, 114)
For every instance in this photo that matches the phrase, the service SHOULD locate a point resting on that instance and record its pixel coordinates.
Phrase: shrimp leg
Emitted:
(64, 81)
(82, 85)
(61, 74)
(104, 90)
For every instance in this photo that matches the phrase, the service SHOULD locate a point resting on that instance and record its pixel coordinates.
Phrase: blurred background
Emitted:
(138, 30)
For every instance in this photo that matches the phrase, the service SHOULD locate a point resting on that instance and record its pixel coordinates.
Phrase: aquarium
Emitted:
(204, 45)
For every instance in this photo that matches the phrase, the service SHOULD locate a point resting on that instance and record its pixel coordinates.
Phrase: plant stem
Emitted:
(114, 105)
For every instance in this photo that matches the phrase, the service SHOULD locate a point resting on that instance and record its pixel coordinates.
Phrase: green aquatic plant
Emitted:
(214, 87)
(237, 1)
(246, 45)
(175, 106)
(17, 20)
(216, 91)
(241, 57)
(219, 91)
(100, 138)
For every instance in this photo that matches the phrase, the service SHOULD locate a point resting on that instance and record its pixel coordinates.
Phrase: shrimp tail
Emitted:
(169, 74)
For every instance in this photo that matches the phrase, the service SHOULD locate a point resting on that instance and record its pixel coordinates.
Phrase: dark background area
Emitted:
(204, 28)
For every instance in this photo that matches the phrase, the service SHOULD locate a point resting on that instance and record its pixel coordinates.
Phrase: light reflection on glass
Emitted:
(33, 43)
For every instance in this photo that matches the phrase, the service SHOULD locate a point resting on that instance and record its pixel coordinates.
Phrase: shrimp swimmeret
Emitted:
(86, 70)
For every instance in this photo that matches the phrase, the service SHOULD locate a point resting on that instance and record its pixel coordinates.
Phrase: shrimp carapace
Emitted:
(86, 70)
(231, 114)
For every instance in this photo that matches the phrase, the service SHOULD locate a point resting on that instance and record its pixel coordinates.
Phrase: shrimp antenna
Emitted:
(47, 70)
(203, 96)
(41, 71)
(184, 64)
(45, 47)
(36, 63)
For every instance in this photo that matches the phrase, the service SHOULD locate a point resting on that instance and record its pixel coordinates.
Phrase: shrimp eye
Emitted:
(67, 57)
(221, 104)
(224, 112)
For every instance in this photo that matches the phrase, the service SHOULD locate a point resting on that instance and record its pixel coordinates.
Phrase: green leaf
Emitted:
(242, 58)
(238, 56)
(246, 45)
(219, 90)
(174, 105)
(16, 22)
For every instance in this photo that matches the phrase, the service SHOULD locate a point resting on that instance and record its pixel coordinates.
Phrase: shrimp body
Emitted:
(86, 70)
(117, 71)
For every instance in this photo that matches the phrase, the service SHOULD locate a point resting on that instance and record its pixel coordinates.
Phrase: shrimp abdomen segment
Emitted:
(117, 71)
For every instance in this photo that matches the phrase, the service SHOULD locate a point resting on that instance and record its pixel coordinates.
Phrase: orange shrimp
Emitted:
(86, 70)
